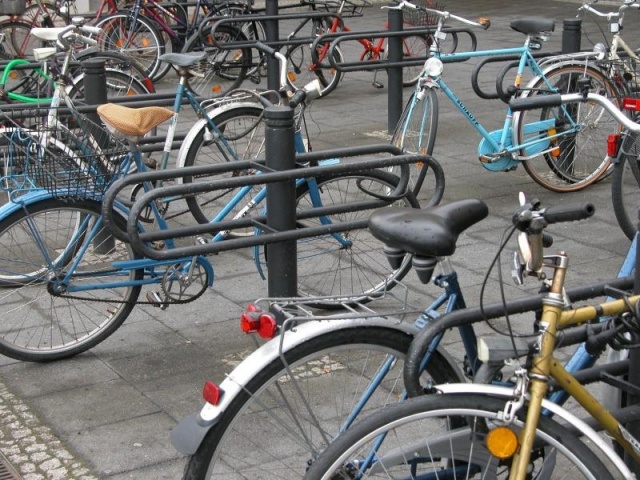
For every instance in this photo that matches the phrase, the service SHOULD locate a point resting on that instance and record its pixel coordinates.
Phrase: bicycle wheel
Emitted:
(443, 436)
(625, 186)
(243, 131)
(270, 420)
(115, 61)
(138, 39)
(414, 46)
(38, 248)
(349, 263)
(416, 132)
(577, 157)
(302, 69)
(223, 69)
(18, 41)
(118, 84)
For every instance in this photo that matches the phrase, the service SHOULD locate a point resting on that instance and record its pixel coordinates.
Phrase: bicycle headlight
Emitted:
(433, 67)
(600, 50)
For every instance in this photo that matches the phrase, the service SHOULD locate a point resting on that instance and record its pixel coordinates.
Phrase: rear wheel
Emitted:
(625, 187)
(329, 373)
(570, 149)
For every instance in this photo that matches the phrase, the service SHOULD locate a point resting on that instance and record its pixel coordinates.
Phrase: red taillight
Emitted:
(632, 104)
(149, 84)
(613, 144)
(211, 392)
(254, 320)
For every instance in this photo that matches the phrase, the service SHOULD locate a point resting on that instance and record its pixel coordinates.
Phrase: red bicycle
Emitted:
(305, 65)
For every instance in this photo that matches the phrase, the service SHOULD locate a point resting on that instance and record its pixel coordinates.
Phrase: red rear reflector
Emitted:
(632, 104)
(613, 144)
(211, 392)
(254, 320)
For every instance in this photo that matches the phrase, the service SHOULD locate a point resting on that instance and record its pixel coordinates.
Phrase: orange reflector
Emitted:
(291, 76)
(613, 144)
(502, 442)
(216, 89)
(211, 392)
(556, 151)
(145, 42)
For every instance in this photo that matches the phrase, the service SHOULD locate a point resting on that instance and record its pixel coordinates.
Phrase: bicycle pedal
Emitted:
(154, 299)
(151, 163)
(377, 85)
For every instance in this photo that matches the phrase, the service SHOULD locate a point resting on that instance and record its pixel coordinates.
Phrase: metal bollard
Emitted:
(571, 35)
(394, 102)
(280, 154)
(272, 33)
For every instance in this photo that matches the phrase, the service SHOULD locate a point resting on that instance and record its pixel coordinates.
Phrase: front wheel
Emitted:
(444, 436)
(414, 46)
(352, 263)
(287, 416)
(45, 320)
(302, 68)
(416, 133)
(625, 186)
(565, 147)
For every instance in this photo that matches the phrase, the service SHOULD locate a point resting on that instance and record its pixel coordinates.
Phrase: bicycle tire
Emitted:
(18, 41)
(140, 41)
(625, 187)
(331, 365)
(223, 69)
(578, 159)
(413, 46)
(416, 133)
(360, 269)
(41, 326)
(243, 129)
(418, 430)
(301, 70)
(118, 84)
(116, 61)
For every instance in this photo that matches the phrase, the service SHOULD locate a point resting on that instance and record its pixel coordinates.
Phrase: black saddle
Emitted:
(427, 234)
(530, 25)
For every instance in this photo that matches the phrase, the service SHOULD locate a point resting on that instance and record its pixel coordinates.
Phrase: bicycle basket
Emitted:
(351, 8)
(74, 159)
(13, 7)
(418, 18)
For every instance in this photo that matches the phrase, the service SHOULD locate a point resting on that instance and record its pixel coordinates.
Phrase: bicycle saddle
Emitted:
(183, 59)
(427, 234)
(132, 123)
(529, 25)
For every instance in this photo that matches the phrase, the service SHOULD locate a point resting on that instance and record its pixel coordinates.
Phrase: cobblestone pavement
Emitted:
(107, 413)
(32, 448)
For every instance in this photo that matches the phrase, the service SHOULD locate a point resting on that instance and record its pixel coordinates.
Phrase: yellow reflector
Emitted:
(556, 151)
(502, 442)
(13, 75)
(291, 76)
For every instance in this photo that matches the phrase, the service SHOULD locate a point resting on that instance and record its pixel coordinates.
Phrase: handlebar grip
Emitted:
(297, 98)
(91, 30)
(266, 49)
(538, 101)
(569, 213)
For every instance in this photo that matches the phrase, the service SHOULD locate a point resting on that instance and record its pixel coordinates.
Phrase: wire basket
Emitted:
(72, 157)
(420, 19)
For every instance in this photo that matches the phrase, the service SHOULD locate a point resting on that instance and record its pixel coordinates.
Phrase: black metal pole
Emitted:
(394, 104)
(571, 35)
(273, 35)
(280, 154)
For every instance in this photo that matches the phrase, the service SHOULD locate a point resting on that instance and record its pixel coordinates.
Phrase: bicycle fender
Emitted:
(36, 196)
(199, 125)
(187, 436)
(554, 408)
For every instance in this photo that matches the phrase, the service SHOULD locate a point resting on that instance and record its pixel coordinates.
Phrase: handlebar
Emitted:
(610, 15)
(555, 100)
(442, 14)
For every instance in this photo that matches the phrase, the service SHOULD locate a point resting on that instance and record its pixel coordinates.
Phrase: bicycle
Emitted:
(308, 64)
(54, 254)
(381, 445)
(559, 147)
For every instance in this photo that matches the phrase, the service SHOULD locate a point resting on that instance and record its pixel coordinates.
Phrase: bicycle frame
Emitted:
(497, 151)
